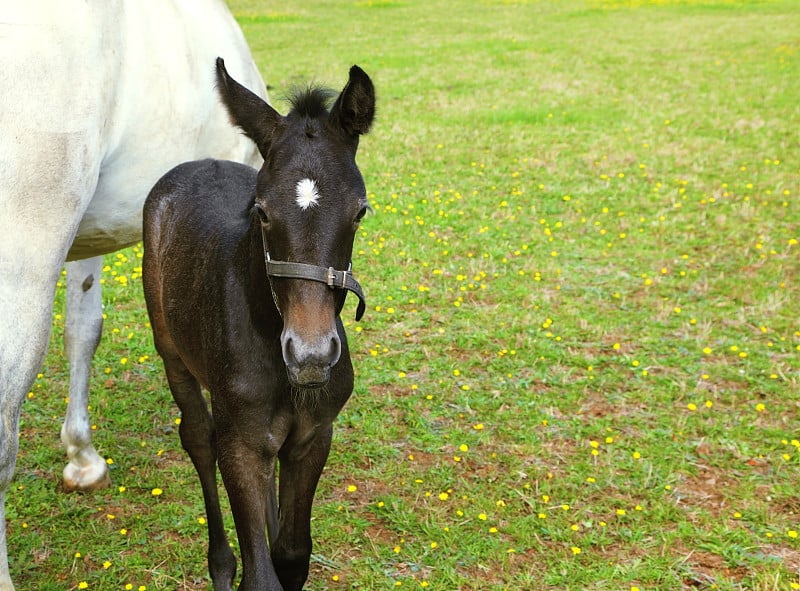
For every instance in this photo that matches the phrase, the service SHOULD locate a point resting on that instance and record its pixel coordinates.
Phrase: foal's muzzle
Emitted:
(309, 363)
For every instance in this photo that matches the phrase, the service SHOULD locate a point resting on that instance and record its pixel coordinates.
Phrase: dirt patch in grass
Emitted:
(706, 490)
(705, 568)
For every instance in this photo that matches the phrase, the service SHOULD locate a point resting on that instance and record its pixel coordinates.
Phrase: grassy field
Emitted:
(579, 368)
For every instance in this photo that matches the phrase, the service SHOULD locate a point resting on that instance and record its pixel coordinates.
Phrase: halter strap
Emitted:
(329, 276)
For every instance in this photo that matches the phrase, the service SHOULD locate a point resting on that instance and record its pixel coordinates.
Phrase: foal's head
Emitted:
(310, 198)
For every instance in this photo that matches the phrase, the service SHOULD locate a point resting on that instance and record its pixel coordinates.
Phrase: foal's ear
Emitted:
(354, 110)
(247, 110)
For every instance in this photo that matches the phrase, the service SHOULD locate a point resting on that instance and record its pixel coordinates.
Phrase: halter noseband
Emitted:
(329, 276)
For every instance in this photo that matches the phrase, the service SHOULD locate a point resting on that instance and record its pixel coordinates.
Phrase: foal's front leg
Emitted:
(247, 467)
(300, 468)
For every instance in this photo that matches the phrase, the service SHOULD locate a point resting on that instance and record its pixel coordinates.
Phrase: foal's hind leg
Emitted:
(198, 439)
(86, 470)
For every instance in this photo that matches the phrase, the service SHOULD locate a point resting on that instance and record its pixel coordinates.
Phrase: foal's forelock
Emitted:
(311, 102)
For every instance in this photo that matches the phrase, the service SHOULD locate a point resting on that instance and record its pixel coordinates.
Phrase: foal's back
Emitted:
(200, 201)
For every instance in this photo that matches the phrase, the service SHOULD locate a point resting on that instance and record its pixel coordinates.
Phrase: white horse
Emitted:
(98, 98)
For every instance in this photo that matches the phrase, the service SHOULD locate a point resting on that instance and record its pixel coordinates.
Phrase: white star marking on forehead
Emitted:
(307, 194)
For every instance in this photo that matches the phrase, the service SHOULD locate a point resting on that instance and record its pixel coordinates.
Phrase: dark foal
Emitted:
(263, 337)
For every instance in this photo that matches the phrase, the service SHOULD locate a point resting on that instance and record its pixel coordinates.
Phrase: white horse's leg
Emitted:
(11, 396)
(86, 470)
(26, 303)
(5, 577)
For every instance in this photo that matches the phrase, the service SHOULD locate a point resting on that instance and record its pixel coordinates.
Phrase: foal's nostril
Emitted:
(335, 350)
(288, 353)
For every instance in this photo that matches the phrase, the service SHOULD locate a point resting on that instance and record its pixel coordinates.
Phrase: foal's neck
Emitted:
(259, 292)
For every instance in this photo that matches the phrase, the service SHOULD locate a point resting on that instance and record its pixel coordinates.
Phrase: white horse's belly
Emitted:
(109, 224)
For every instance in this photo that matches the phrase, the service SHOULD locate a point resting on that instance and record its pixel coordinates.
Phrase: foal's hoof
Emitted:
(86, 478)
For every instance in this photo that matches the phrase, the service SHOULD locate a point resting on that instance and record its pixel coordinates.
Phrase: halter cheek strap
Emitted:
(329, 276)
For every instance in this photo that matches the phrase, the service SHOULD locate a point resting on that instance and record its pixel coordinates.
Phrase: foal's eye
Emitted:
(262, 215)
(361, 213)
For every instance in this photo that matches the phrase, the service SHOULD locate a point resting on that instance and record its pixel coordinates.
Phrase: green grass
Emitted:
(579, 366)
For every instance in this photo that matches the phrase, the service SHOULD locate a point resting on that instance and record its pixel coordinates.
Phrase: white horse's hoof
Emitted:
(86, 478)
